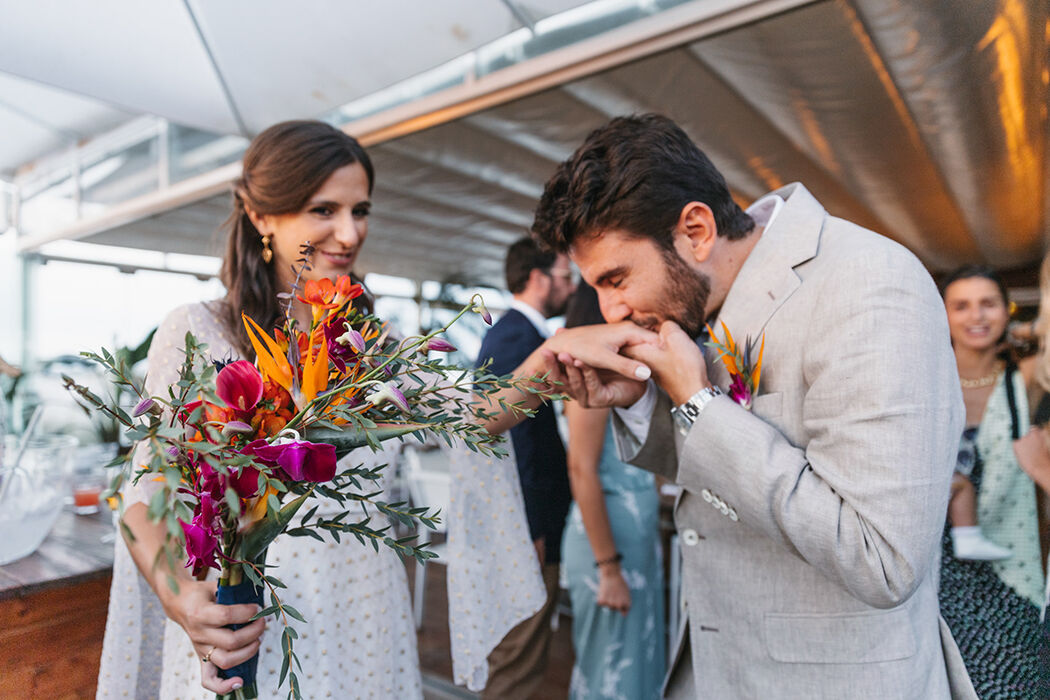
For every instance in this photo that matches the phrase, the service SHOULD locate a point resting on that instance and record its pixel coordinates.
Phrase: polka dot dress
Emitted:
(359, 640)
(997, 629)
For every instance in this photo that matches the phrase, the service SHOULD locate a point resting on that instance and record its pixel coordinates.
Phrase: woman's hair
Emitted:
(583, 308)
(974, 270)
(971, 271)
(283, 167)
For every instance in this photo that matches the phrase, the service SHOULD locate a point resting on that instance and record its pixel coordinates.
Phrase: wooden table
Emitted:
(53, 607)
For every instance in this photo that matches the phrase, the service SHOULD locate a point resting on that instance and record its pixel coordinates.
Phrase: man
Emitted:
(810, 524)
(541, 283)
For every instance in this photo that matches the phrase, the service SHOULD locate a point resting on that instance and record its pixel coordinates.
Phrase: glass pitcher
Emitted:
(32, 494)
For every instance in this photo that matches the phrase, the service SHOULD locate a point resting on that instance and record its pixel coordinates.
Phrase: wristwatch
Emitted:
(685, 415)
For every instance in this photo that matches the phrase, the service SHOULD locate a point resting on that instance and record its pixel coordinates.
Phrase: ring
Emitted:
(207, 657)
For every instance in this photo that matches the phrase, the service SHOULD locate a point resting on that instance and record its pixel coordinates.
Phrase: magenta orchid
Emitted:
(295, 459)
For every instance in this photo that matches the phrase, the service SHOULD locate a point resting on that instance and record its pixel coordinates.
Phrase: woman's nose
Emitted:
(347, 231)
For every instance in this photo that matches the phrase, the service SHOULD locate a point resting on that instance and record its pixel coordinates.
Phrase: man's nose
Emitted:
(613, 308)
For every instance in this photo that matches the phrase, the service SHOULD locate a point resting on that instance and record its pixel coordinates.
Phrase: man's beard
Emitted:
(553, 307)
(684, 295)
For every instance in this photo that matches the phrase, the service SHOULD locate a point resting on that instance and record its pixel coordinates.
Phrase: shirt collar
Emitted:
(533, 315)
(765, 210)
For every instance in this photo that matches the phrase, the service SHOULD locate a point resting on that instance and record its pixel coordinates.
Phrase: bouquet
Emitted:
(238, 449)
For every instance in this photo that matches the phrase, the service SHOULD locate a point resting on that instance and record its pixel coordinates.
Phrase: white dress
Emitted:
(359, 640)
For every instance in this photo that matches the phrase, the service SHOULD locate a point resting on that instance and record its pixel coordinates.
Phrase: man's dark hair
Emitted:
(634, 174)
(523, 257)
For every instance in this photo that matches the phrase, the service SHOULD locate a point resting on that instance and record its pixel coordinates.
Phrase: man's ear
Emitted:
(696, 230)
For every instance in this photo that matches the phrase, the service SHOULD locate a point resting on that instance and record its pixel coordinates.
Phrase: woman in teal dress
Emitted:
(611, 556)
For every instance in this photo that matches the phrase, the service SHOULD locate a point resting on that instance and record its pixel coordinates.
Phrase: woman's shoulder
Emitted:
(203, 319)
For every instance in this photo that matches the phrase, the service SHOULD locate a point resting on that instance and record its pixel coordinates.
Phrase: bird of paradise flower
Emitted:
(744, 376)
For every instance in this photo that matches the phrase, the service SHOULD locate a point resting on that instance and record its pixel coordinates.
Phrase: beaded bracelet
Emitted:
(616, 558)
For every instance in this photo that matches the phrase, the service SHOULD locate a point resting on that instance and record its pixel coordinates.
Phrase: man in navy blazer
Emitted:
(541, 283)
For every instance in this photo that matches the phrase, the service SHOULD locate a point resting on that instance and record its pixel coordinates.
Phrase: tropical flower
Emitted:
(744, 371)
(387, 393)
(239, 385)
(439, 345)
(296, 460)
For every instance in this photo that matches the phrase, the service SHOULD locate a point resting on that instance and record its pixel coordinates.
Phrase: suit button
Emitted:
(706, 495)
(724, 508)
(690, 538)
(733, 516)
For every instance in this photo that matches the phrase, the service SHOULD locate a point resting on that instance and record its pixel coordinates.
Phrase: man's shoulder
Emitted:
(509, 341)
(512, 325)
(847, 248)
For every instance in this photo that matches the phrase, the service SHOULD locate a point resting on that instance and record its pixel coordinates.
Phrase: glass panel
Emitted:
(117, 177)
(48, 203)
(194, 151)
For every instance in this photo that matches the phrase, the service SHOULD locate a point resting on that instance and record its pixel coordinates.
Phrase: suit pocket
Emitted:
(840, 639)
(768, 405)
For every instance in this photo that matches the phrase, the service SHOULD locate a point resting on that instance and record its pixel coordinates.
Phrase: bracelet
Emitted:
(615, 559)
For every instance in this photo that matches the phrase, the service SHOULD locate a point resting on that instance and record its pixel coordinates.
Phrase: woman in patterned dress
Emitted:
(302, 181)
(611, 556)
(993, 608)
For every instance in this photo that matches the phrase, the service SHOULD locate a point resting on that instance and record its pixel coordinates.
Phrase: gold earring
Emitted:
(267, 254)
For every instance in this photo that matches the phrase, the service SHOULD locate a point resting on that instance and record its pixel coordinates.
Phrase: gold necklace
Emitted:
(981, 382)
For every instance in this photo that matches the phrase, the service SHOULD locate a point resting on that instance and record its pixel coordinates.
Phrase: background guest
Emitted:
(541, 283)
(611, 550)
(993, 608)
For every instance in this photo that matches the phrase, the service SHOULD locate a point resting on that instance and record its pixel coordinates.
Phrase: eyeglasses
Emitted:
(564, 274)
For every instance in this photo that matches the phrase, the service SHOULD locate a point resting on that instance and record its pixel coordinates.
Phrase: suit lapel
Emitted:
(768, 276)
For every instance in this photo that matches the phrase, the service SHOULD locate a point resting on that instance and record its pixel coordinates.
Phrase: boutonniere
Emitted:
(743, 375)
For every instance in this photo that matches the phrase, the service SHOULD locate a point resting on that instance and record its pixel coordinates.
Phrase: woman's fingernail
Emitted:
(237, 685)
(642, 372)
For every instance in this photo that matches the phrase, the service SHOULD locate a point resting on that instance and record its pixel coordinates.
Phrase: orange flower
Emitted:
(268, 355)
(320, 295)
(346, 290)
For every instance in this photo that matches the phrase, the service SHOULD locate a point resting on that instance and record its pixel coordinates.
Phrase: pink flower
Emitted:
(439, 345)
(297, 460)
(240, 385)
(245, 481)
(388, 393)
(201, 545)
(739, 392)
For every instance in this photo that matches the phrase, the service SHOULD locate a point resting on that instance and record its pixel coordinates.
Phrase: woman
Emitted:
(302, 181)
(611, 555)
(993, 608)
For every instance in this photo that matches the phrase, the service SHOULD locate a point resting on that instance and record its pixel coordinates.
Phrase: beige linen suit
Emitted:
(811, 526)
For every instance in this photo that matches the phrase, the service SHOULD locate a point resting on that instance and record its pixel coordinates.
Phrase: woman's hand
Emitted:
(195, 610)
(1033, 457)
(613, 592)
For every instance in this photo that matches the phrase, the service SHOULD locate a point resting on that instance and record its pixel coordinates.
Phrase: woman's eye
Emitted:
(361, 212)
(322, 211)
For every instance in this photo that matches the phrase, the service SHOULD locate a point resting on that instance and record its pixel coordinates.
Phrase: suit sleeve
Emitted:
(864, 500)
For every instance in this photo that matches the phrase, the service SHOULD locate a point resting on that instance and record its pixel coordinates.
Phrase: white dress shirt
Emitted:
(533, 314)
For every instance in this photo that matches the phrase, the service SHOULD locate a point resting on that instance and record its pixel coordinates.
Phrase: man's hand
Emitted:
(676, 361)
